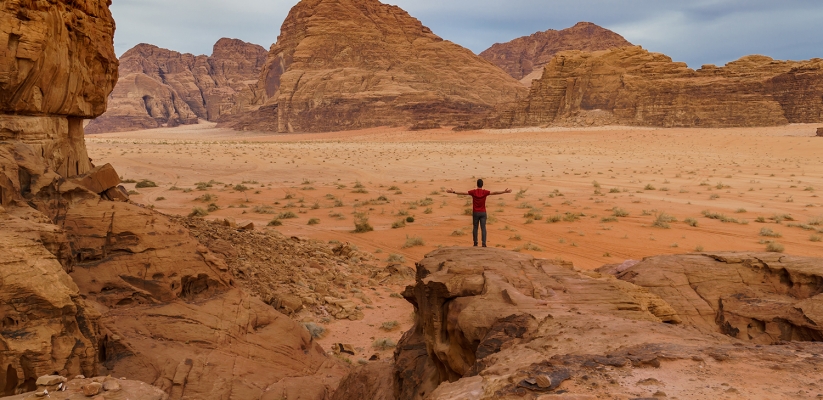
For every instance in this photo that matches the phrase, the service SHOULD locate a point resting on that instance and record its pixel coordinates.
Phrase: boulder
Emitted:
(99, 179)
(75, 389)
(820, 132)
(352, 64)
(117, 193)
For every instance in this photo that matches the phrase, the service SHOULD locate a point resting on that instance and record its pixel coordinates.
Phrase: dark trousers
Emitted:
(479, 219)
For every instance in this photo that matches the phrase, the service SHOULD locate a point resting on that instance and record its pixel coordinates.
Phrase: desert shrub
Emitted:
(361, 224)
(691, 222)
(412, 241)
(741, 210)
(315, 330)
(619, 212)
(213, 207)
(399, 224)
(571, 217)
(554, 218)
(198, 212)
(458, 232)
(516, 236)
(286, 215)
(161, 198)
(314, 221)
(816, 238)
(389, 326)
(127, 180)
(396, 258)
(770, 233)
(608, 219)
(145, 183)
(428, 211)
(649, 187)
(263, 210)
(275, 222)
(614, 190)
(384, 344)
(774, 247)
(206, 198)
(662, 221)
(409, 219)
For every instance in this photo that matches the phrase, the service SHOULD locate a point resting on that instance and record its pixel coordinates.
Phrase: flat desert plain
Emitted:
(590, 196)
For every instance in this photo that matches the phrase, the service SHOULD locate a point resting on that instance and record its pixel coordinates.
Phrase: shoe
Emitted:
(475, 245)
(484, 245)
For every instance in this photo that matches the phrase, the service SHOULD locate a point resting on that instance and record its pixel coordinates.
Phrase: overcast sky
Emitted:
(695, 31)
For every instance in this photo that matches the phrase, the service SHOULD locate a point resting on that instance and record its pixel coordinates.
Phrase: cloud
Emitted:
(697, 31)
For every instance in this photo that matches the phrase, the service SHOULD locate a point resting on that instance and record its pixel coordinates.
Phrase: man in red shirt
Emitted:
(479, 215)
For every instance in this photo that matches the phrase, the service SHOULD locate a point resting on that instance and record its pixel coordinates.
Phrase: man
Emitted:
(479, 215)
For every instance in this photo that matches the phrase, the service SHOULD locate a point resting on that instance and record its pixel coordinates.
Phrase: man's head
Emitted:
(480, 183)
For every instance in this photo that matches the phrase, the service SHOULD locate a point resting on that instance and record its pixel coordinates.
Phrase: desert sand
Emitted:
(754, 178)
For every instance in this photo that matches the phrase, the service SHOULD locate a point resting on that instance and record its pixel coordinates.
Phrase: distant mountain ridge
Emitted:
(160, 87)
(526, 56)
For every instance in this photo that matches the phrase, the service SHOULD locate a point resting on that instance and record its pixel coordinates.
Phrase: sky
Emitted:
(693, 31)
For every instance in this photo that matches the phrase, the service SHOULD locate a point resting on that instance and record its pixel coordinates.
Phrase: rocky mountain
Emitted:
(350, 64)
(494, 324)
(632, 86)
(524, 57)
(159, 87)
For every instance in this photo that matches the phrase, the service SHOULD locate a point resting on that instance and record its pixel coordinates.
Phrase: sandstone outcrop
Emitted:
(159, 87)
(820, 132)
(631, 86)
(524, 58)
(492, 324)
(764, 298)
(351, 64)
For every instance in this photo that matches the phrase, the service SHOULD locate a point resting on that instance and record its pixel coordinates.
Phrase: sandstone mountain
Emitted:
(632, 86)
(350, 64)
(524, 57)
(493, 324)
(159, 87)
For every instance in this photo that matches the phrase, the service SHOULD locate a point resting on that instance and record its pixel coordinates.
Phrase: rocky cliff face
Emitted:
(524, 58)
(492, 324)
(353, 64)
(159, 87)
(632, 86)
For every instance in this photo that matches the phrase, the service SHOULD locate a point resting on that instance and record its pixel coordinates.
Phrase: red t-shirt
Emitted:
(479, 199)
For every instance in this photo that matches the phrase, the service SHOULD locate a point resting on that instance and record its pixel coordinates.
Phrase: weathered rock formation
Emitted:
(159, 87)
(353, 64)
(492, 324)
(524, 58)
(99, 387)
(92, 284)
(763, 298)
(820, 132)
(632, 86)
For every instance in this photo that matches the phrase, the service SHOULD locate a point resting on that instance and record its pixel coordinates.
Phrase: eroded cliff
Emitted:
(631, 86)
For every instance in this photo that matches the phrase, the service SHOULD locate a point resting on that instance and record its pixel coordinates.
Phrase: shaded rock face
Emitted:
(632, 86)
(159, 87)
(492, 324)
(351, 64)
(764, 298)
(526, 56)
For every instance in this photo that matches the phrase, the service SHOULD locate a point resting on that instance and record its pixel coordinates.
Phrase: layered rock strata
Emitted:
(159, 87)
(492, 324)
(350, 64)
(631, 86)
(524, 58)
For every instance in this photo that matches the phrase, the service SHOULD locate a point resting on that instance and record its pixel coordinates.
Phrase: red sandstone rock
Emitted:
(159, 87)
(524, 58)
(632, 86)
(492, 324)
(99, 179)
(351, 64)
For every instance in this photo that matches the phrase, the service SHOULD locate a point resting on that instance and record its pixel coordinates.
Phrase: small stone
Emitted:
(544, 381)
(344, 348)
(92, 389)
(42, 393)
(50, 380)
(245, 226)
(80, 377)
(374, 357)
(111, 386)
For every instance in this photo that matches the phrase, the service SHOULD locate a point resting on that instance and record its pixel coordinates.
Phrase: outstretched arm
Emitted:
(503, 192)
(458, 193)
